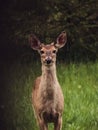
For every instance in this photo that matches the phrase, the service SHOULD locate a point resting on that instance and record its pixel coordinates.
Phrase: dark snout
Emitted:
(48, 60)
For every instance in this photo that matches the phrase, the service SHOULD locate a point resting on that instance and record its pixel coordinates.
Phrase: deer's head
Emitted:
(48, 52)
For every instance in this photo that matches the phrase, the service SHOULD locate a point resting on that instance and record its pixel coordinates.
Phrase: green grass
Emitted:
(80, 87)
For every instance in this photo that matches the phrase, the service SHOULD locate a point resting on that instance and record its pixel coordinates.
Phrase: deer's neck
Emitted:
(49, 74)
(49, 82)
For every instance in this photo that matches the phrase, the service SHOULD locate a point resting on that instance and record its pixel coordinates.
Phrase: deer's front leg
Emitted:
(42, 124)
(58, 124)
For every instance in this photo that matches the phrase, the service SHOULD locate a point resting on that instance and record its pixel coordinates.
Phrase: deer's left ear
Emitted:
(61, 40)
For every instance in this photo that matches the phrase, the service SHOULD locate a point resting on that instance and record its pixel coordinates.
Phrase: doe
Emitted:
(47, 96)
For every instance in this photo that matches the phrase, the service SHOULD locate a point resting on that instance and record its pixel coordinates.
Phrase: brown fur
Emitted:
(48, 99)
(47, 96)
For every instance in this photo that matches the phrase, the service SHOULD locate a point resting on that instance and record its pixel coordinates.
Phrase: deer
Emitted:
(47, 95)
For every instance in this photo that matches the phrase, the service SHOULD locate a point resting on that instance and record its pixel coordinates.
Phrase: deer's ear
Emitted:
(61, 40)
(34, 42)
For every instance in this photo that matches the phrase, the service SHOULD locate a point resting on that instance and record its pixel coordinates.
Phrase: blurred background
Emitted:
(46, 19)
(19, 64)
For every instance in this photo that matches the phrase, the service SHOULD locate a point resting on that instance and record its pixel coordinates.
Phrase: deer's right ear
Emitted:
(34, 42)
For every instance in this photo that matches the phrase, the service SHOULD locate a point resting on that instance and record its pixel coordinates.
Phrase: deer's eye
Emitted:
(42, 52)
(54, 51)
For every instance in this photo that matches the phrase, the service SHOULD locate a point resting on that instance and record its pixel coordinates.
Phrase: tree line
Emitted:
(47, 18)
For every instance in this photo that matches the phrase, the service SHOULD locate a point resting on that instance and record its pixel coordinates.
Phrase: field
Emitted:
(79, 84)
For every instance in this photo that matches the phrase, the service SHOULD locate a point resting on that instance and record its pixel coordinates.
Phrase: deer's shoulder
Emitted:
(37, 82)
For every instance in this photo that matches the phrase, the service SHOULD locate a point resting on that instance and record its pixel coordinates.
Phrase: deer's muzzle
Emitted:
(48, 60)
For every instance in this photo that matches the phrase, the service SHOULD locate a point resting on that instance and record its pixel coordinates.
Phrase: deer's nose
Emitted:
(48, 60)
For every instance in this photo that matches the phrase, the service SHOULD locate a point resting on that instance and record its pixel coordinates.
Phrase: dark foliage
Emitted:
(20, 18)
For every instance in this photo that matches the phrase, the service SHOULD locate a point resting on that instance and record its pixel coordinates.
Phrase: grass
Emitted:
(80, 87)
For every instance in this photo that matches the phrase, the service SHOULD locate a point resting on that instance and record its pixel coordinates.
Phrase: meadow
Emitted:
(80, 88)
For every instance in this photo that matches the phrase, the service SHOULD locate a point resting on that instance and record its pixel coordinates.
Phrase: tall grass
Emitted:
(80, 87)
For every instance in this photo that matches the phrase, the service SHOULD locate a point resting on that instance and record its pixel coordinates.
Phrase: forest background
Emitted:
(77, 61)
